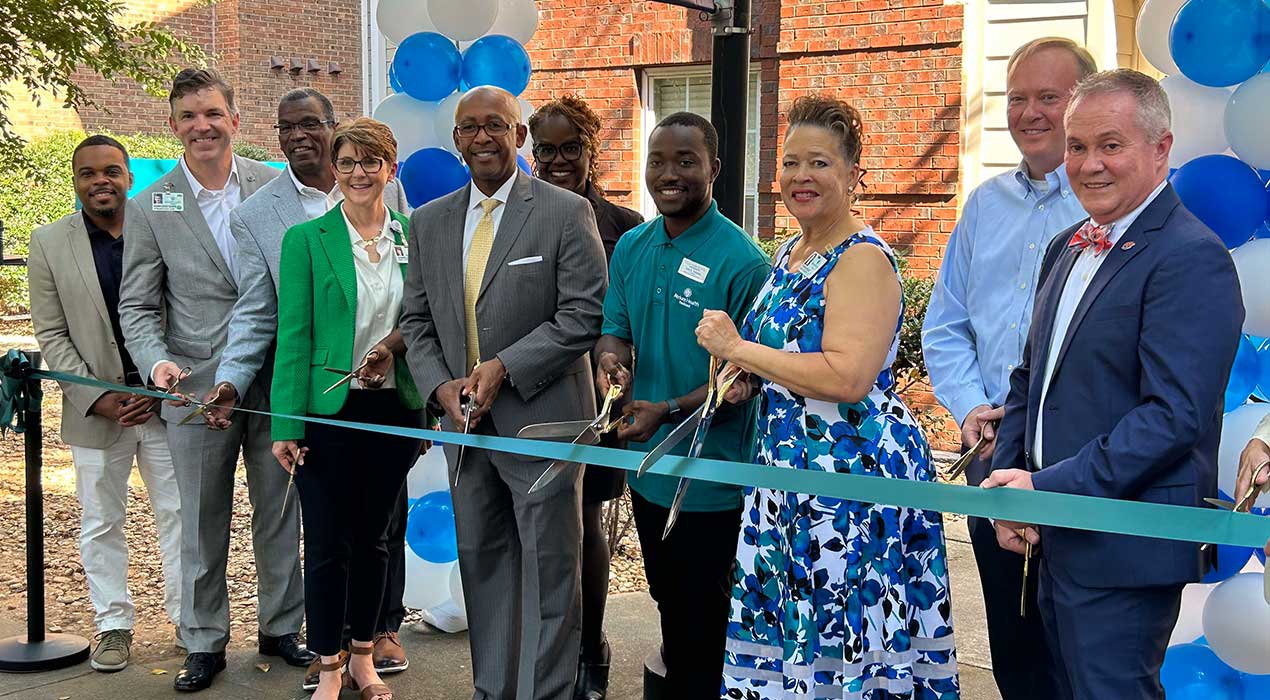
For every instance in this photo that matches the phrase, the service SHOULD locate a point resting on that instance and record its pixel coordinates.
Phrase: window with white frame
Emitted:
(667, 91)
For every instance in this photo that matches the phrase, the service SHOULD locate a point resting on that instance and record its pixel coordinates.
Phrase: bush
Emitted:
(27, 203)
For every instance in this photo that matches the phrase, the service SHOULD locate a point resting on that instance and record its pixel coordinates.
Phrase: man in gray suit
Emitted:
(504, 286)
(180, 284)
(306, 125)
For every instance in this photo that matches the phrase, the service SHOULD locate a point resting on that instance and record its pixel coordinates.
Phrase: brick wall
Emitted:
(898, 61)
(241, 35)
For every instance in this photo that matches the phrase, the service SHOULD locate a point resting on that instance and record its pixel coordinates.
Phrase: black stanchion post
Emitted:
(37, 650)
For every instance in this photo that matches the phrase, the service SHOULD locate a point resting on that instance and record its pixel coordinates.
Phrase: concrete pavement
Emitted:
(441, 668)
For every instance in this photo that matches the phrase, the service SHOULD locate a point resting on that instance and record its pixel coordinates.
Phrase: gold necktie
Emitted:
(477, 256)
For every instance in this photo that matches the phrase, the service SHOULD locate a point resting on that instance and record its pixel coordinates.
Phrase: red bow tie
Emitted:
(1092, 236)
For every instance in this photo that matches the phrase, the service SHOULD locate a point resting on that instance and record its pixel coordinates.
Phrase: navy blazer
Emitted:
(1134, 409)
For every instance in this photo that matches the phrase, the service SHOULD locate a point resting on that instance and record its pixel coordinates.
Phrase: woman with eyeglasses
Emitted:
(566, 135)
(340, 355)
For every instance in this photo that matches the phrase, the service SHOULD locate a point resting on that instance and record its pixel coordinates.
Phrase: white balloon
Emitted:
(1247, 114)
(428, 473)
(526, 111)
(1154, 22)
(412, 122)
(1190, 620)
(1237, 623)
(1252, 262)
(463, 20)
(517, 19)
(427, 583)
(444, 124)
(398, 19)
(1198, 128)
(1236, 430)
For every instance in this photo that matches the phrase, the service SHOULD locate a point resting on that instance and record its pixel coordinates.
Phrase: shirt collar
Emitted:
(356, 238)
(1119, 226)
(1056, 178)
(475, 196)
(305, 190)
(94, 229)
(198, 189)
(691, 239)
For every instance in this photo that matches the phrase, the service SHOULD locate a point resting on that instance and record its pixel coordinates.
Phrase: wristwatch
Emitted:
(672, 407)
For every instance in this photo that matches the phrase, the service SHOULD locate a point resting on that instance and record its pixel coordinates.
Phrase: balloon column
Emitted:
(429, 74)
(1214, 54)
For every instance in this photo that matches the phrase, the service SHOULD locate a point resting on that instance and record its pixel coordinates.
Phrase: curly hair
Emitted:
(835, 115)
(578, 113)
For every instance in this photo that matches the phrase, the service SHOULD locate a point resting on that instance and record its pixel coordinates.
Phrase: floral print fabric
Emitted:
(834, 598)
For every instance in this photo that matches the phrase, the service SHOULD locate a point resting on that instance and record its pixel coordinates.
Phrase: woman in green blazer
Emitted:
(339, 299)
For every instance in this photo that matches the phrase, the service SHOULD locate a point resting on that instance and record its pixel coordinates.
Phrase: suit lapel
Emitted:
(82, 252)
(519, 205)
(287, 204)
(339, 252)
(192, 215)
(248, 180)
(450, 253)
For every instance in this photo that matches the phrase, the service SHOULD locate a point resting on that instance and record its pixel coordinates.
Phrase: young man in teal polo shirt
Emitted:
(663, 275)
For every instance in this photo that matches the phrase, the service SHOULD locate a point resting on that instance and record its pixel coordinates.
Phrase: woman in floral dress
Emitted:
(832, 598)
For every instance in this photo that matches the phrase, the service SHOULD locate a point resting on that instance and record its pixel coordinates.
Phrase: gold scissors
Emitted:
(202, 408)
(716, 389)
(964, 461)
(171, 390)
(347, 377)
(1249, 498)
(590, 433)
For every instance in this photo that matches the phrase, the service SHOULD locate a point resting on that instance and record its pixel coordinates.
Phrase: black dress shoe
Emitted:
(198, 671)
(287, 647)
(593, 676)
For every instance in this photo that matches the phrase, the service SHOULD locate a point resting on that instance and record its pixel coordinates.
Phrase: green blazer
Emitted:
(317, 312)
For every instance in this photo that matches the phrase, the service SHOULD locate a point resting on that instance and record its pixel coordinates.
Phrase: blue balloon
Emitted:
(1255, 687)
(1263, 367)
(1230, 559)
(524, 165)
(1225, 193)
(392, 80)
(427, 65)
(497, 60)
(1193, 672)
(430, 528)
(430, 173)
(1221, 42)
(1244, 375)
(1258, 551)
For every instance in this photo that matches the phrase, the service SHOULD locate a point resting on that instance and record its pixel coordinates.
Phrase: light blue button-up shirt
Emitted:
(981, 306)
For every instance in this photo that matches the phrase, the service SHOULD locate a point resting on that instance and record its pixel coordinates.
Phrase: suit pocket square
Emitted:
(526, 261)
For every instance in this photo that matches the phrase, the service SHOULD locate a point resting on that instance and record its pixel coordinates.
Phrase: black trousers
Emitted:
(350, 486)
(1021, 660)
(689, 575)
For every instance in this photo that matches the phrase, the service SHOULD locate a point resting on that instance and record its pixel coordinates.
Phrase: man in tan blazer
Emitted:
(75, 268)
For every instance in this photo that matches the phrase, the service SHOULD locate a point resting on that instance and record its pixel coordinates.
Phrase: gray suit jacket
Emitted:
(258, 225)
(73, 325)
(172, 263)
(541, 319)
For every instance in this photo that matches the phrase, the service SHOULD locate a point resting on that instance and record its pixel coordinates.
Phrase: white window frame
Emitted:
(648, 121)
(374, 59)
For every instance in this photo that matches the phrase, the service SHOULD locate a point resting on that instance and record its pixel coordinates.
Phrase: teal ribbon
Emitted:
(15, 399)
(1109, 515)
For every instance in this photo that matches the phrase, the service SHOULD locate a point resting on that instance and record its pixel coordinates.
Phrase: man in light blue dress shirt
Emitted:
(978, 320)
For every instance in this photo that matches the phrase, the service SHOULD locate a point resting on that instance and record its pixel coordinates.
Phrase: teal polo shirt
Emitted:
(658, 289)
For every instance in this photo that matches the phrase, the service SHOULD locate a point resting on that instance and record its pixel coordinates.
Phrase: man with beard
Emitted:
(665, 273)
(180, 285)
(75, 267)
(502, 306)
(306, 124)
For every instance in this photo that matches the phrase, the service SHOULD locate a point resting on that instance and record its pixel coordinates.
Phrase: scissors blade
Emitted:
(589, 436)
(676, 436)
(694, 451)
(334, 370)
(564, 430)
(193, 414)
(680, 492)
(1220, 503)
(467, 423)
(347, 377)
(964, 461)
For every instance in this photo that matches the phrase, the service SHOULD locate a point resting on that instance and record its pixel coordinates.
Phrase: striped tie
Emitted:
(477, 256)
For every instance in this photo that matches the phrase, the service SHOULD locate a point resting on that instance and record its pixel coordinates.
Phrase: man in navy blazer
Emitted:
(1119, 394)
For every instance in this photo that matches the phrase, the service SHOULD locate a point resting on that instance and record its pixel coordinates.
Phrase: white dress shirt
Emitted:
(474, 212)
(379, 292)
(1083, 270)
(216, 205)
(314, 201)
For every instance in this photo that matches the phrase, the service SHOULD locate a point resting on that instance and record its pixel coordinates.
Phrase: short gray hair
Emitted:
(303, 93)
(1085, 63)
(1153, 115)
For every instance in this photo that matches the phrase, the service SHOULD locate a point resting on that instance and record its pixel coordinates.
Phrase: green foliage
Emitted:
(44, 42)
(45, 193)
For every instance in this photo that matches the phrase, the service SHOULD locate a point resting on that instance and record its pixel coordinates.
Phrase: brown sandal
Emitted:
(370, 692)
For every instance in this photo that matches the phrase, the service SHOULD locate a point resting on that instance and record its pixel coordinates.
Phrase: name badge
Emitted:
(694, 271)
(167, 201)
(403, 253)
(812, 264)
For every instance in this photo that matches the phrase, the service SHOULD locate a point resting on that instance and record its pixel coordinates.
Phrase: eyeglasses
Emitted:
(493, 129)
(309, 126)
(370, 166)
(571, 150)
